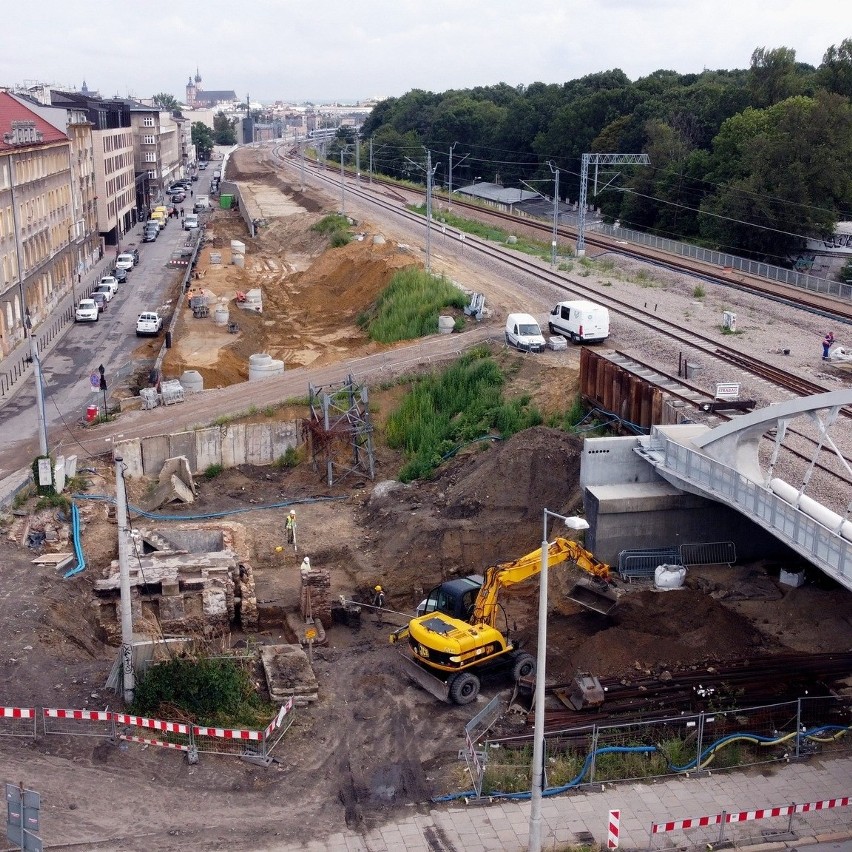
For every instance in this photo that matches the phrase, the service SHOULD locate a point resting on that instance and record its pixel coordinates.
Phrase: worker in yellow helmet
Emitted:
(290, 527)
(379, 603)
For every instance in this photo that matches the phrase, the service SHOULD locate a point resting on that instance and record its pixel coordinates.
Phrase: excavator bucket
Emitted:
(593, 596)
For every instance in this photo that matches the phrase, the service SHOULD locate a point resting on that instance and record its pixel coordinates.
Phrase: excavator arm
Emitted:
(507, 574)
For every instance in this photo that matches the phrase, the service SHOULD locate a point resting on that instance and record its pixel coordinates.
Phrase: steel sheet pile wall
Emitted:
(611, 387)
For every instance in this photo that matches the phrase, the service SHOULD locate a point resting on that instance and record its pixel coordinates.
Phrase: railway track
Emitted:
(826, 305)
(747, 683)
(564, 287)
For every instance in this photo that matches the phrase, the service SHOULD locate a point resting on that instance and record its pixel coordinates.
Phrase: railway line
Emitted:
(543, 277)
(836, 309)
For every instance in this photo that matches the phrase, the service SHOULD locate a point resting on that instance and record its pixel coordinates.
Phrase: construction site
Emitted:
(212, 562)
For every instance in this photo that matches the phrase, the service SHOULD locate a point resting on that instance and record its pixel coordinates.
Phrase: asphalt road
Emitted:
(83, 347)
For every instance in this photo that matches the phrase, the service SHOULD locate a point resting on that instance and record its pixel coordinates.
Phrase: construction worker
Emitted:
(379, 603)
(290, 527)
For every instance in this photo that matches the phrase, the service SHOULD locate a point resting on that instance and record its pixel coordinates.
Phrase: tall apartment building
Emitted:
(113, 160)
(158, 149)
(37, 226)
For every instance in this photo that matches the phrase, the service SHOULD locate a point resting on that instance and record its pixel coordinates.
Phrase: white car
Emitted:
(190, 221)
(109, 281)
(125, 261)
(149, 322)
(87, 311)
(106, 291)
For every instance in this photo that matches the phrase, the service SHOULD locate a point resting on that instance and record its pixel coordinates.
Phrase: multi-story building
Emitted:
(37, 224)
(158, 149)
(113, 153)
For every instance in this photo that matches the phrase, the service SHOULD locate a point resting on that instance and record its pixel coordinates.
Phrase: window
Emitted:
(149, 140)
(150, 156)
(148, 121)
(152, 175)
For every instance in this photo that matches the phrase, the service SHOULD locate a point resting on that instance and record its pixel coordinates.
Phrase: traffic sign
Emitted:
(95, 382)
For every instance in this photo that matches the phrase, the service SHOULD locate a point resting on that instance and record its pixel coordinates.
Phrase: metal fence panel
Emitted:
(138, 729)
(234, 742)
(708, 553)
(279, 726)
(78, 723)
(18, 722)
(641, 564)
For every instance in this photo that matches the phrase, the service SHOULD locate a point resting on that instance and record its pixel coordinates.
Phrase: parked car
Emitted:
(202, 165)
(190, 221)
(580, 321)
(120, 274)
(175, 188)
(148, 322)
(110, 281)
(86, 311)
(105, 290)
(125, 261)
(194, 177)
(177, 197)
(523, 332)
(133, 252)
(100, 300)
(149, 235)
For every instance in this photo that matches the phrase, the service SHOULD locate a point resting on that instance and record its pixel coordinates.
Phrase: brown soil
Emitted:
(373, 744)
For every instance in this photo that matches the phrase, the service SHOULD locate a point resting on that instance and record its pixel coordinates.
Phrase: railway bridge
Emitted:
(689, 483)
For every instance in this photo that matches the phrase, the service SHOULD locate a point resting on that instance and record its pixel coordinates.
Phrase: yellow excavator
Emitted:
(455, 629)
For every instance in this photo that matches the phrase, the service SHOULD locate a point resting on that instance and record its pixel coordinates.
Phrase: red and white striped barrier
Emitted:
(613, 830)
(227, 733)
(147, 741)
(17, 712)
(276, 722)
(748, 816)
(87, 715)
(154, 724)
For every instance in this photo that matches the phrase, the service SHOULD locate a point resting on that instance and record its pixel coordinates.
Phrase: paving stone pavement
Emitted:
(571, 818)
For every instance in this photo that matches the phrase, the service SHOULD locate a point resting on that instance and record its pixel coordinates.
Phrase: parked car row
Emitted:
(579, 321)
(90, 308)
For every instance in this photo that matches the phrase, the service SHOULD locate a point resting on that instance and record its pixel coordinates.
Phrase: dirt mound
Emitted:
(473, 514)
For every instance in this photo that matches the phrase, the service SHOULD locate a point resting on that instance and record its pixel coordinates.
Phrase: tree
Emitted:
(835, 73)
(166, 101)
(772, 76)
(202, 138)
(224, 132)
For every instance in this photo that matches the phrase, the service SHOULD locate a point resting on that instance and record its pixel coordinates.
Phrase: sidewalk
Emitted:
(581, 818)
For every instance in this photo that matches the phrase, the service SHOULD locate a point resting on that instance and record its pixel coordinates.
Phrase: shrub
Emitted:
(335, 227)
(698, 291)
(213, 470)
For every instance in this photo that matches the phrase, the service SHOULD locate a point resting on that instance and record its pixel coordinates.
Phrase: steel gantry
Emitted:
(339, 431)
(599, 160)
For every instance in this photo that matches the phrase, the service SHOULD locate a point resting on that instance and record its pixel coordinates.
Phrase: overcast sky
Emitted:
(334, 50)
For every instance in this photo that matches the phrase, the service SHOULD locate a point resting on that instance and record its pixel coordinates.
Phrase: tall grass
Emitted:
(446, 409)
(409, 306)
(335, 227)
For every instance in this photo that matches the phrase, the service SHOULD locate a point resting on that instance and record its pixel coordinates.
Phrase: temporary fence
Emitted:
(18, 722)
(181, 736)
(715, 830)
(724, 739)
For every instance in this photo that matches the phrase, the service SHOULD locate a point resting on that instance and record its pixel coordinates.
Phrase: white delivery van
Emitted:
(523, 333)
(580, 321)
(190, 221)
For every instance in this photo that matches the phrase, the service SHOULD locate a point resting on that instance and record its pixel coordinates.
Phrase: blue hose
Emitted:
(78, 547)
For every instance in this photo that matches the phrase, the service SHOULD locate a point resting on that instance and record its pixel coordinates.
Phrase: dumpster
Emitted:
(91, 413)
(225, 201)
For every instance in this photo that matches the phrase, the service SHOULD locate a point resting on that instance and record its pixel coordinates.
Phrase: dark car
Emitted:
(150, 234)
(101, 301)
(119, 274)
(177, 197)
(131, 249)
(195, 177)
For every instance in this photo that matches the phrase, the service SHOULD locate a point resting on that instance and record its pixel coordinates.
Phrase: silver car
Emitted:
(87, 311)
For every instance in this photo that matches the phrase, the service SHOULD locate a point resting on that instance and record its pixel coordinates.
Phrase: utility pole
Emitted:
(429, 174)
(555, 214)
(42, 420)
(450, 199)
(358, 157)
(129, 678)
(302, 165)
(371, 161)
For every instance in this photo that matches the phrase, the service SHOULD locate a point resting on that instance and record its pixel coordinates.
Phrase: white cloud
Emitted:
(327, 50)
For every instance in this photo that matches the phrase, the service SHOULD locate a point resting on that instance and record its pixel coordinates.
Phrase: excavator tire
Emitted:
(523, 666)
(464, 688)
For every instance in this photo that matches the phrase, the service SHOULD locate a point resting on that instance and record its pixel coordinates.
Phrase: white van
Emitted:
(190, 221)
(523, 333)
(580, 321)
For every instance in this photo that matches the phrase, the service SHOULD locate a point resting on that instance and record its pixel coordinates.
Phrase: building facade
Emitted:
(37, 224)
(157, 150)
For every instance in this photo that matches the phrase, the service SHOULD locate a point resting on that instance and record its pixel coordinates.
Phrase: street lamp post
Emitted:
(572, 523)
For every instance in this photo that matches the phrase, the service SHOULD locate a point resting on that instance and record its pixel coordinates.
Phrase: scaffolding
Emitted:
(339, 432)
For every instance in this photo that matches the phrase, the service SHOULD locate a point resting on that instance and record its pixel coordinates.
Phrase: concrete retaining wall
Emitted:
(630, 507)
(229, 446)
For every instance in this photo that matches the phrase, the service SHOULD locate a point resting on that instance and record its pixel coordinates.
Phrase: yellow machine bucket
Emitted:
(594, 596)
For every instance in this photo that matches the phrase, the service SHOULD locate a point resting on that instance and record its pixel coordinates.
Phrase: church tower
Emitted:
(191, 92)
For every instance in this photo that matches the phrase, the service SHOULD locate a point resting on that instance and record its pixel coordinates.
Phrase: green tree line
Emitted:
(749, 160)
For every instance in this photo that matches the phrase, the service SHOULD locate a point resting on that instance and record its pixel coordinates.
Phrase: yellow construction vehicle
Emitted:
(457, 632)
